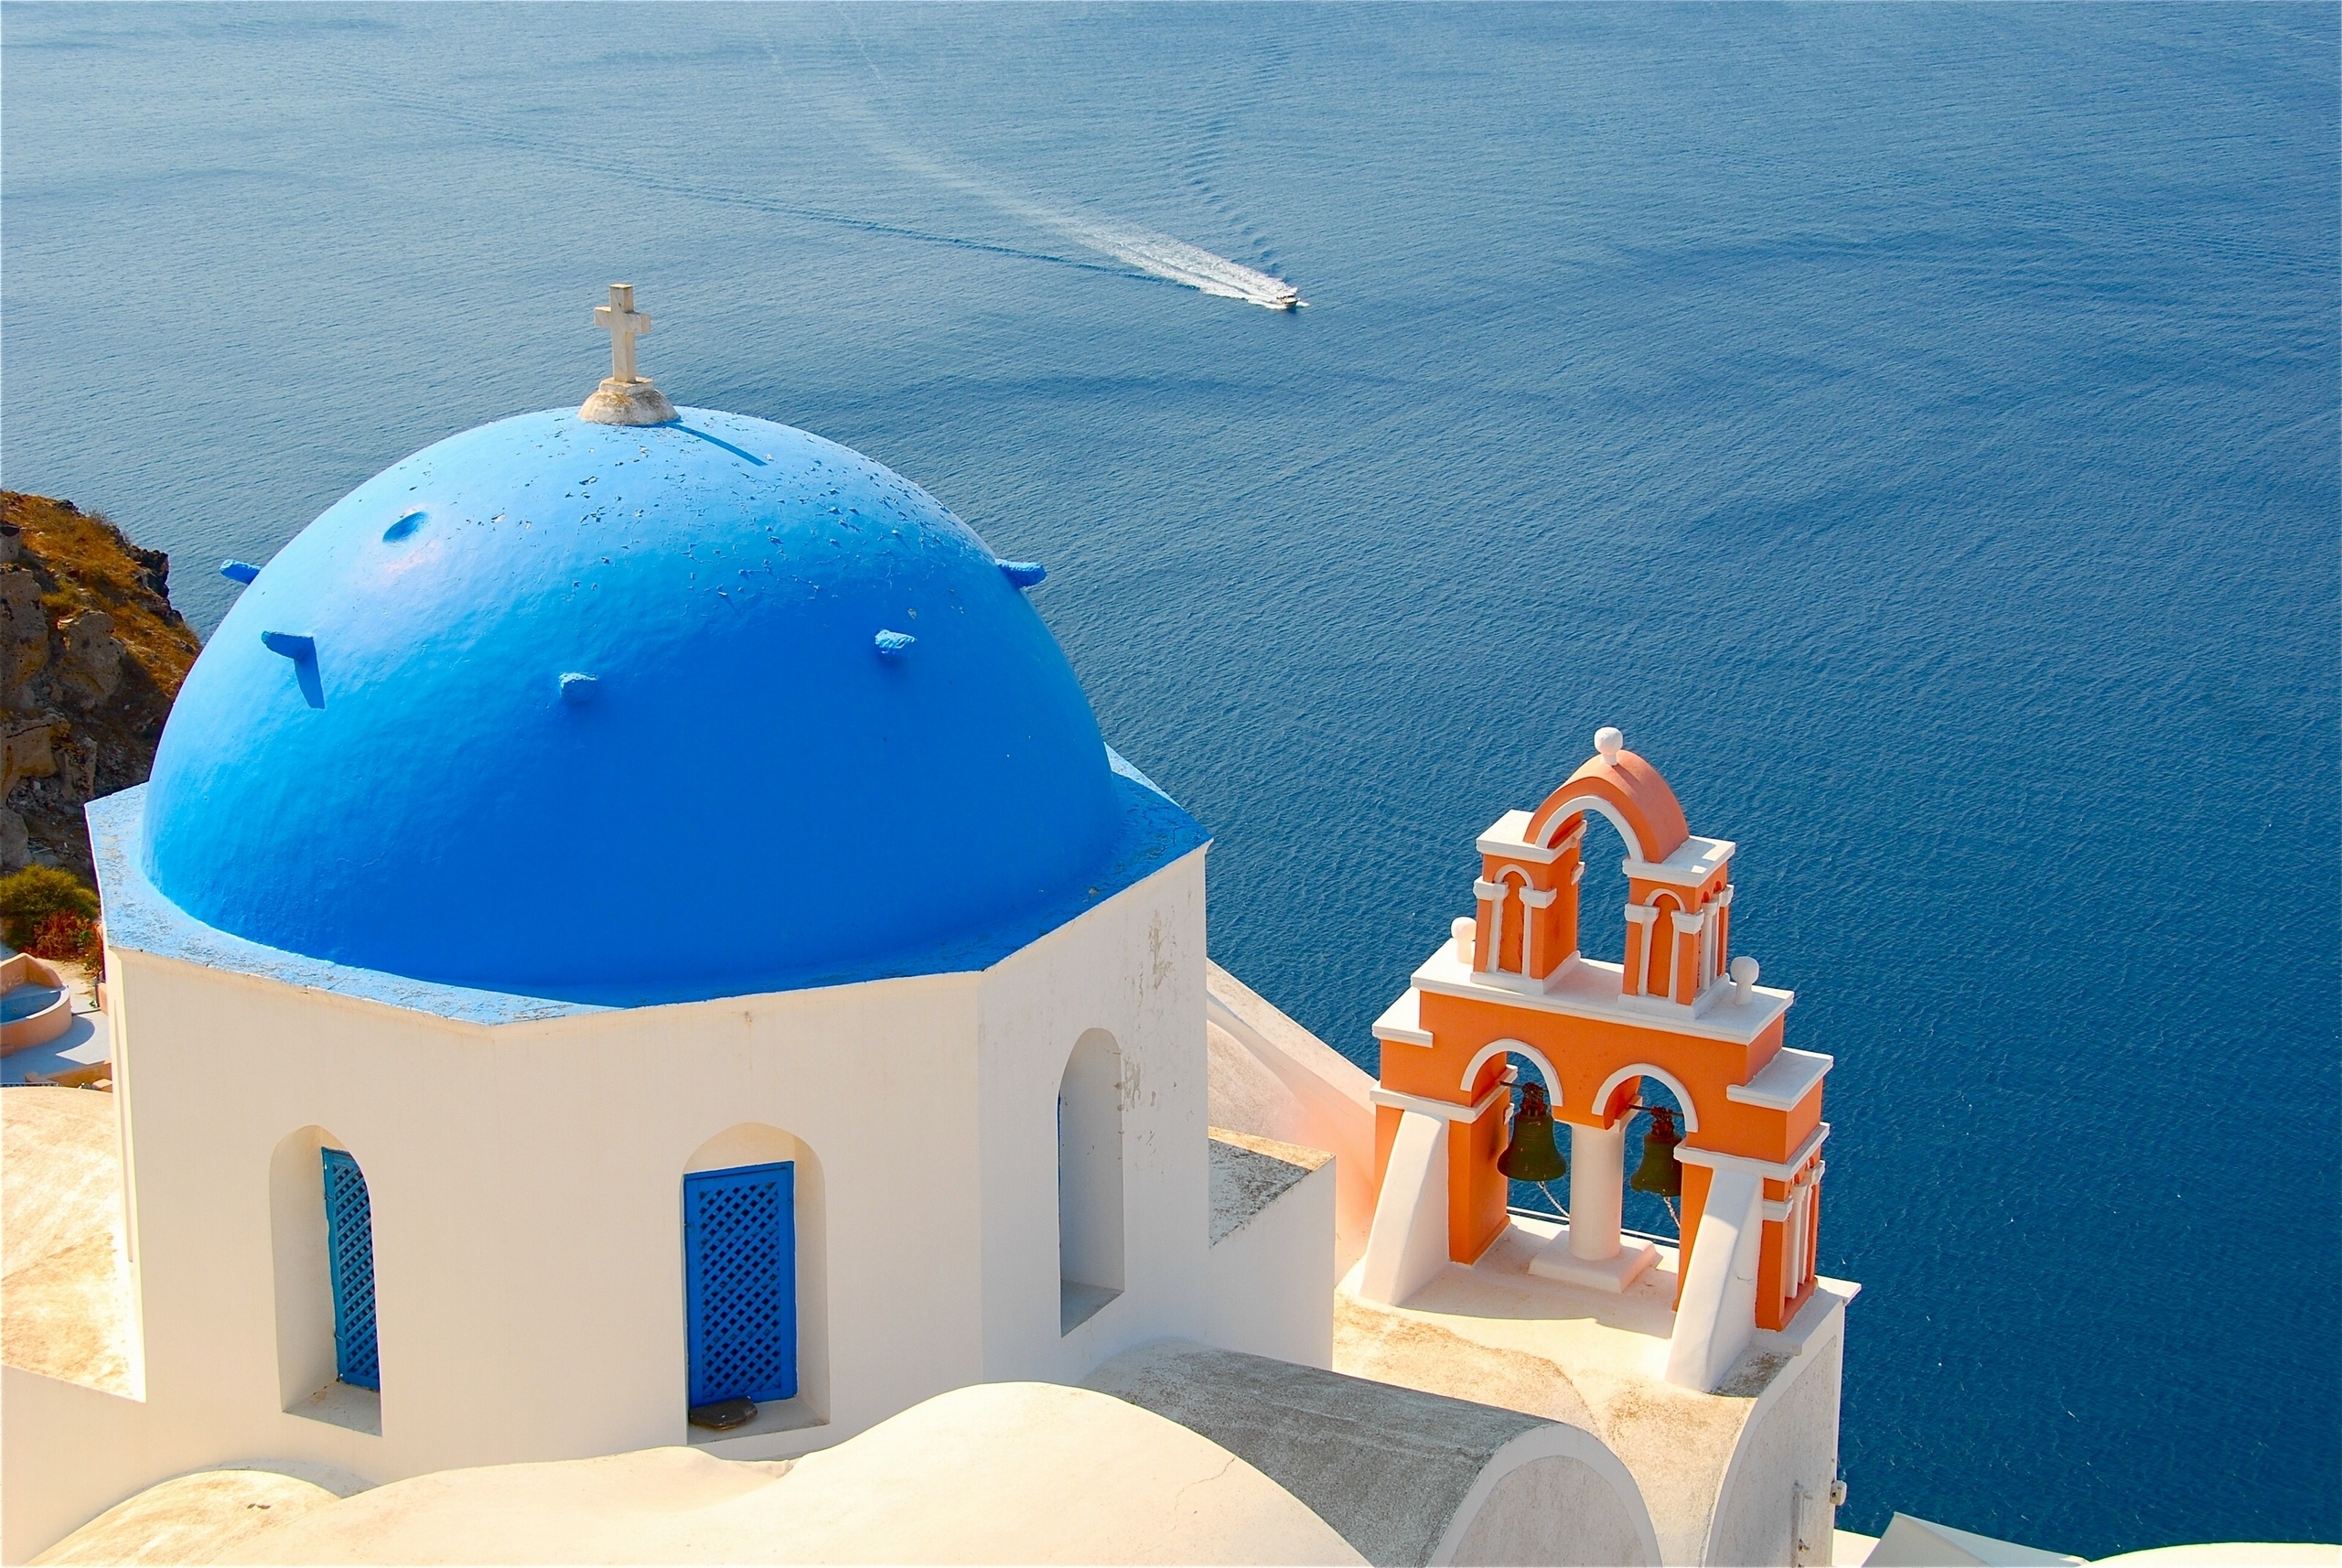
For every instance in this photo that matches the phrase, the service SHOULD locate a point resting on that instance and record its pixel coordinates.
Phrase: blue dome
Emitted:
(557, 708)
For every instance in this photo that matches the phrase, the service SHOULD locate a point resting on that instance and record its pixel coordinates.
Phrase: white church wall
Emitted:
(525, 1184)
(1133, 967)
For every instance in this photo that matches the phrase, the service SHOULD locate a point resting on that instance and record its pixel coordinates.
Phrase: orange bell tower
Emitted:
(1511, 992)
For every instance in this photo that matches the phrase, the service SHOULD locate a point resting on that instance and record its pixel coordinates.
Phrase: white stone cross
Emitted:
(624, 324)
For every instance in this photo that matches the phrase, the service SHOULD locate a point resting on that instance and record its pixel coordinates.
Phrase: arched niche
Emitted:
(1090, 1179)
(1516, 1056)
(1612, 1087)
(1523, 1048)
(760, 1144)
(308, 1383)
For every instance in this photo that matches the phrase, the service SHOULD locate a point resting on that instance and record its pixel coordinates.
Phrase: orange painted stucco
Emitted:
(1631, 787)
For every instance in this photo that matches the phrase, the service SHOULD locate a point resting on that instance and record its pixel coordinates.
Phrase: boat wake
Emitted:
(1159, 255)
(1181, 262)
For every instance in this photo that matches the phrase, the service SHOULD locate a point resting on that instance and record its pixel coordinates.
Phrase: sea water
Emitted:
(1916, 427)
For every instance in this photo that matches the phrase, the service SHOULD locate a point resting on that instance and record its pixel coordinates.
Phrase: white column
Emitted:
(1678, 967)
(1793, 1240)
(1597, 1188)
(1531, 902)
(1639, 963)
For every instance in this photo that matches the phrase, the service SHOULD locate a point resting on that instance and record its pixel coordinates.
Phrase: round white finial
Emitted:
(1607, 741)
(1744, 977)
(1463, 930)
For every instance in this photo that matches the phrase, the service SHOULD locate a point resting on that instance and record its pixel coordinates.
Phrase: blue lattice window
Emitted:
(349, 1254)
(740, 1281)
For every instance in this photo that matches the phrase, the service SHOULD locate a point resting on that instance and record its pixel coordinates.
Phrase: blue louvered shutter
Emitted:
(740, 1281)
(349, 1252)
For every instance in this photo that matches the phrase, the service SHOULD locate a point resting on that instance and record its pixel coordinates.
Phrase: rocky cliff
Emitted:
(90, 655)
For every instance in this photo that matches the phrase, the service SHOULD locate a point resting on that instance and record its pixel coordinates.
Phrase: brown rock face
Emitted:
(90, 655)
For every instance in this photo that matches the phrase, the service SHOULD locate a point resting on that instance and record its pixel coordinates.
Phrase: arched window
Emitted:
(756, 1315)
(1090, 1180)
(329, 1352)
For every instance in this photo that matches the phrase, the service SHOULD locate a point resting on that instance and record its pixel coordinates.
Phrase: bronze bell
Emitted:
(1531, 1155)
(1659, 1171)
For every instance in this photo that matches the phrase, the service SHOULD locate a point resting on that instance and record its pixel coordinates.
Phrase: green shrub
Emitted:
(31, 896)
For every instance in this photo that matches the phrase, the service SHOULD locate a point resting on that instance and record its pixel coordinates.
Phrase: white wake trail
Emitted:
(1181, 262)
(1160, 255)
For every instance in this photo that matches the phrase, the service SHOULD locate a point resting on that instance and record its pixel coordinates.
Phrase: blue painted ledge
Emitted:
(1155, 832)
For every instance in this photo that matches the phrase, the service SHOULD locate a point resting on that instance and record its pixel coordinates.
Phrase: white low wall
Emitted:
(1272, 1278)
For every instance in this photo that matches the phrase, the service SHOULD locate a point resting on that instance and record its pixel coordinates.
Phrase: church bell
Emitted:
(1659, 1171)
(1531, 1155)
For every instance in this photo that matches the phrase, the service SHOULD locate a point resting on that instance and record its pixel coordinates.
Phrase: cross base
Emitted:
(632, 402)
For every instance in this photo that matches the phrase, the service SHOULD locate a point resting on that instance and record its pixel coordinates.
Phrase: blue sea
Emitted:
(1915, 426)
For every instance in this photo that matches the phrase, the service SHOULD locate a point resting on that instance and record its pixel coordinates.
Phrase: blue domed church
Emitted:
(634, 936)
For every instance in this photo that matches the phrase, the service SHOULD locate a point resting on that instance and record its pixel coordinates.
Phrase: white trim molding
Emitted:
(1805, 1181)
(1536, 1058)
(1785, 1170)
(1506, 838)
(1783, 1083)
(1578, 805)
(1402, 1022)
(1675, 1086)
(1447, 1107)
(1695, 861)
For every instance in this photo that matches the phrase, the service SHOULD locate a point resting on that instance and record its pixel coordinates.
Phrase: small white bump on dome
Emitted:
(1609, 743)
(1465, 930)
(1744, 977)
